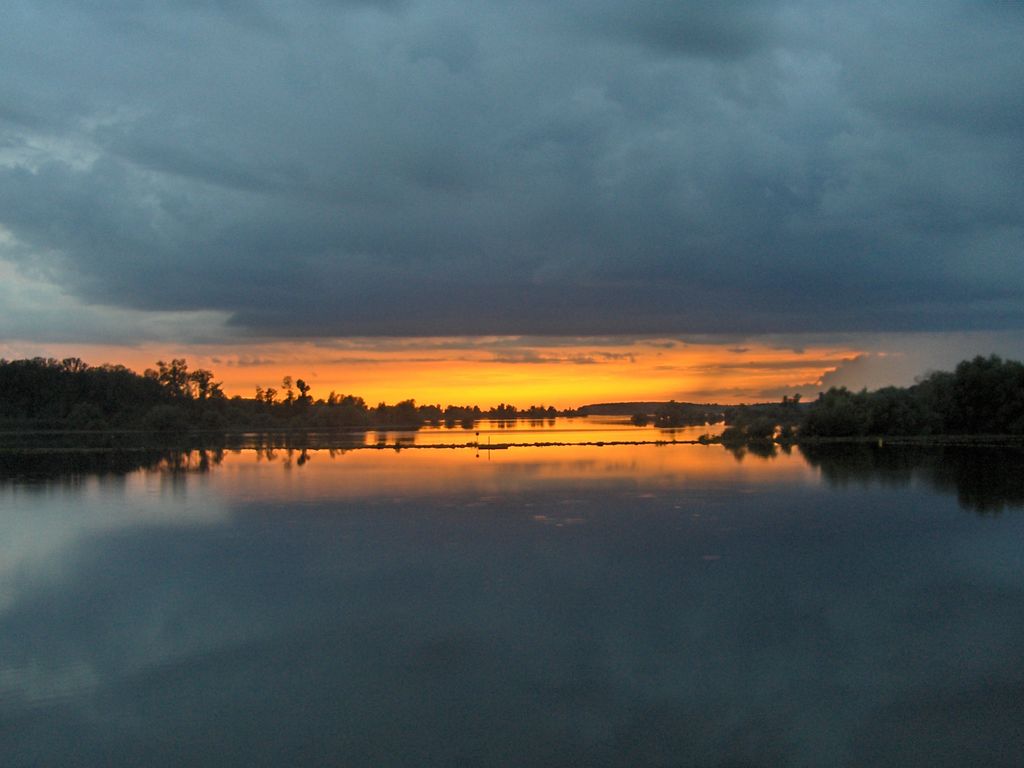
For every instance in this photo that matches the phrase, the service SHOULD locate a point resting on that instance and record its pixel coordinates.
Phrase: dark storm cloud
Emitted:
(396, 168)
(688, 27)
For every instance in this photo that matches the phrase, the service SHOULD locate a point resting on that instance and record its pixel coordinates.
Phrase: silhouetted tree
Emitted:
(204, 386)
(303, 387)
(73, 365)
(174, 377)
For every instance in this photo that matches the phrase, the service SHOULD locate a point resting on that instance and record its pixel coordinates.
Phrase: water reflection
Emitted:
(69, 464)
(490, 433)
(454, 472)
(576, 605)
(985, 480)
(762, 449)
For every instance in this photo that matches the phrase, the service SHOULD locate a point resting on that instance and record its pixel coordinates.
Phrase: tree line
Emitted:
(49, 394)
(982, 396)
(672, 414)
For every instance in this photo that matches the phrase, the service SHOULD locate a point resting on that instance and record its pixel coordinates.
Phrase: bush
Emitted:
(165, 418)
(86, 416)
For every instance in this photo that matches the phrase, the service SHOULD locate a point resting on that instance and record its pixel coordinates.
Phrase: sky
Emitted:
(556, 201)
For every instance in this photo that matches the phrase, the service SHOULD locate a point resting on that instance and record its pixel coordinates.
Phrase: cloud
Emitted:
(693, 29)
(902, 360)
(37, 310)
(419, 168)
(246, 361)
(856, 371)
(801, 363)
(579, 358)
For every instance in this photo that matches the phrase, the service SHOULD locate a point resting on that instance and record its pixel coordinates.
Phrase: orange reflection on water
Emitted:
(589, 429)
(406, 474)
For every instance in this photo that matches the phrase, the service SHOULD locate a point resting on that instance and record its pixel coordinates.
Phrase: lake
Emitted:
(615, 605)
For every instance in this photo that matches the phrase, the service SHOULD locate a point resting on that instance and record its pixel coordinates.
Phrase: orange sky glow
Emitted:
(489, 371)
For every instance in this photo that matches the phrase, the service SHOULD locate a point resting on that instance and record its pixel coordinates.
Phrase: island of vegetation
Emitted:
(981, 397)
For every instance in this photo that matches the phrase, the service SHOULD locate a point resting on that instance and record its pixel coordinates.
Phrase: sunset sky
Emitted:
(548, 202)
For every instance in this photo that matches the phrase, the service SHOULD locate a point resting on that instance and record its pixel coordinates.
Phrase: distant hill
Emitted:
(618, 409)
(647, 407)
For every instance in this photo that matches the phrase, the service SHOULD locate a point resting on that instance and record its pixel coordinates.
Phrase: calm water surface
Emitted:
(592, 606)
(589, 429)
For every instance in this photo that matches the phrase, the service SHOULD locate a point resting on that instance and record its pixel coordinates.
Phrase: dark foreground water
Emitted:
(590, 606)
